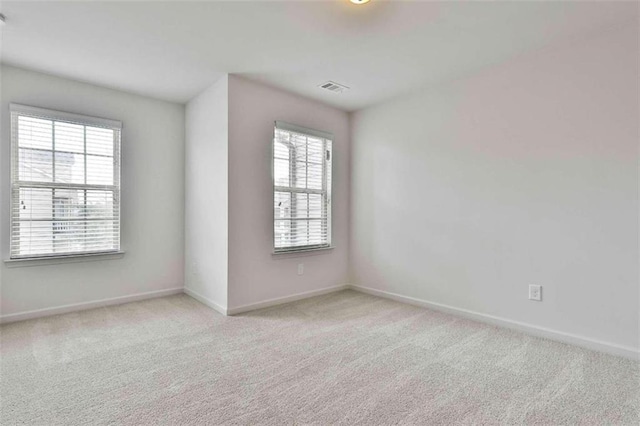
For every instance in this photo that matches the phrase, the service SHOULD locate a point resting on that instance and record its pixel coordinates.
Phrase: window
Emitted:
(301, 188)
(65, 183)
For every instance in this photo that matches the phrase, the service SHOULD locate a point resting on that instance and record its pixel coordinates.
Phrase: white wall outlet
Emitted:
(194, 268)
(300, 268)
(535, 292)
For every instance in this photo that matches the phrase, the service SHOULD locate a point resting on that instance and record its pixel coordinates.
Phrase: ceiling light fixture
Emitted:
(359, 1)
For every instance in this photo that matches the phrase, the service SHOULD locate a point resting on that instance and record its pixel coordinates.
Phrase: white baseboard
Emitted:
(38, 313)
(210, 303)
(559, 336)
(280, 300)
(593, 344)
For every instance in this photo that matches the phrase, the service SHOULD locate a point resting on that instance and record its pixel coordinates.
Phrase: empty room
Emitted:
(323, 212)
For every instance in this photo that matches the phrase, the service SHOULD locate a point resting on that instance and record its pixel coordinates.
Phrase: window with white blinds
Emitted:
(65, 183)
(302, 188)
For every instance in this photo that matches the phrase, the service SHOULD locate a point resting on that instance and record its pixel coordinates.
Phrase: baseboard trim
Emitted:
(585, 342)
(559, 336)
(206, 301)
(286, 299)
(46, 312)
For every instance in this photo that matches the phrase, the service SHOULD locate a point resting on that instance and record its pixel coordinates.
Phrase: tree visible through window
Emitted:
(65, 183)
(302, 188)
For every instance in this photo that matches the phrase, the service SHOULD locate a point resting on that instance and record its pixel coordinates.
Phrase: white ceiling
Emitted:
(173, 50)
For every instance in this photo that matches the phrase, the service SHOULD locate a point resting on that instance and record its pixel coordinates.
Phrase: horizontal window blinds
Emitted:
(302, 188)
(65, 183)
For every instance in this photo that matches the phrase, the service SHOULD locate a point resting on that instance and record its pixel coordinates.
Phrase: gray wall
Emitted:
(525, 173)
(206, 194)
(152, 197)
(255, 274)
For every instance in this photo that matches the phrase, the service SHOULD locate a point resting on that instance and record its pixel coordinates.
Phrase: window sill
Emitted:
(56, 260)
(310, 251)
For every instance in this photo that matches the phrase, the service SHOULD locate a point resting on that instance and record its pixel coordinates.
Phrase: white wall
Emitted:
(526, 173)
(206, 199)
(152, 197)
(255, 274)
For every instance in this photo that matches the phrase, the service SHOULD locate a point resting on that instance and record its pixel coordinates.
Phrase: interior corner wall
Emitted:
(152, 201)
(525, 173)
(206, 195)
(255, 274)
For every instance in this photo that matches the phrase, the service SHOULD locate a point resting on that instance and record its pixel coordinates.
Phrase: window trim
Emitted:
(281, 125)
(68, 117)
(63, 258)
(304, 130)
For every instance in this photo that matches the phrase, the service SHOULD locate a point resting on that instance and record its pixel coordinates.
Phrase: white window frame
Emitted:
(327, 189)
(17, 110)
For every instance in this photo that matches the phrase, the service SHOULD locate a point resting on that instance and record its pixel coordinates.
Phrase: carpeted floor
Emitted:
(343, 358)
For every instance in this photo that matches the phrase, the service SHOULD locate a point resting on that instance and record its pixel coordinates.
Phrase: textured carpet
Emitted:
(343, 358)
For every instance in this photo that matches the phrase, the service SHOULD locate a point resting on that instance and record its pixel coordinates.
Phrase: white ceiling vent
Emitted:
(334, 87)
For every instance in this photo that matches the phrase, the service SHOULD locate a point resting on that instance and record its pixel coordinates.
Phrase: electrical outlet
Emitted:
(535, 292)
(300, 268)
(194, 268)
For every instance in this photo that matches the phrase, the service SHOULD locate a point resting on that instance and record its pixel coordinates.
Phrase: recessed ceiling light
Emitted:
(359, 1)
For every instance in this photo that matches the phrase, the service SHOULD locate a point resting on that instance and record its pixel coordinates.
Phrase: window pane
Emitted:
(99, 141)
(302, 205)
(100, 204)
(99, 170)
(314, 176)
(317, 232)
(35, 165)
(301, 233)
(68, 236)
(69, 167)
(301, 175)
(281, 150)
(69, 203)
(101, 235)
(35, 133)
(308, 232)
(69, 137)
(315, 205)
(34, 203)
(282, 205)
(282, 232)
(301, 151)
(281, 172)
(298, 142)
(34, 237)
(283, 136)
(316, 154)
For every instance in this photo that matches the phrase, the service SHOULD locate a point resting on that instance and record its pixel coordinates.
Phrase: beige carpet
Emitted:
(344, 358)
